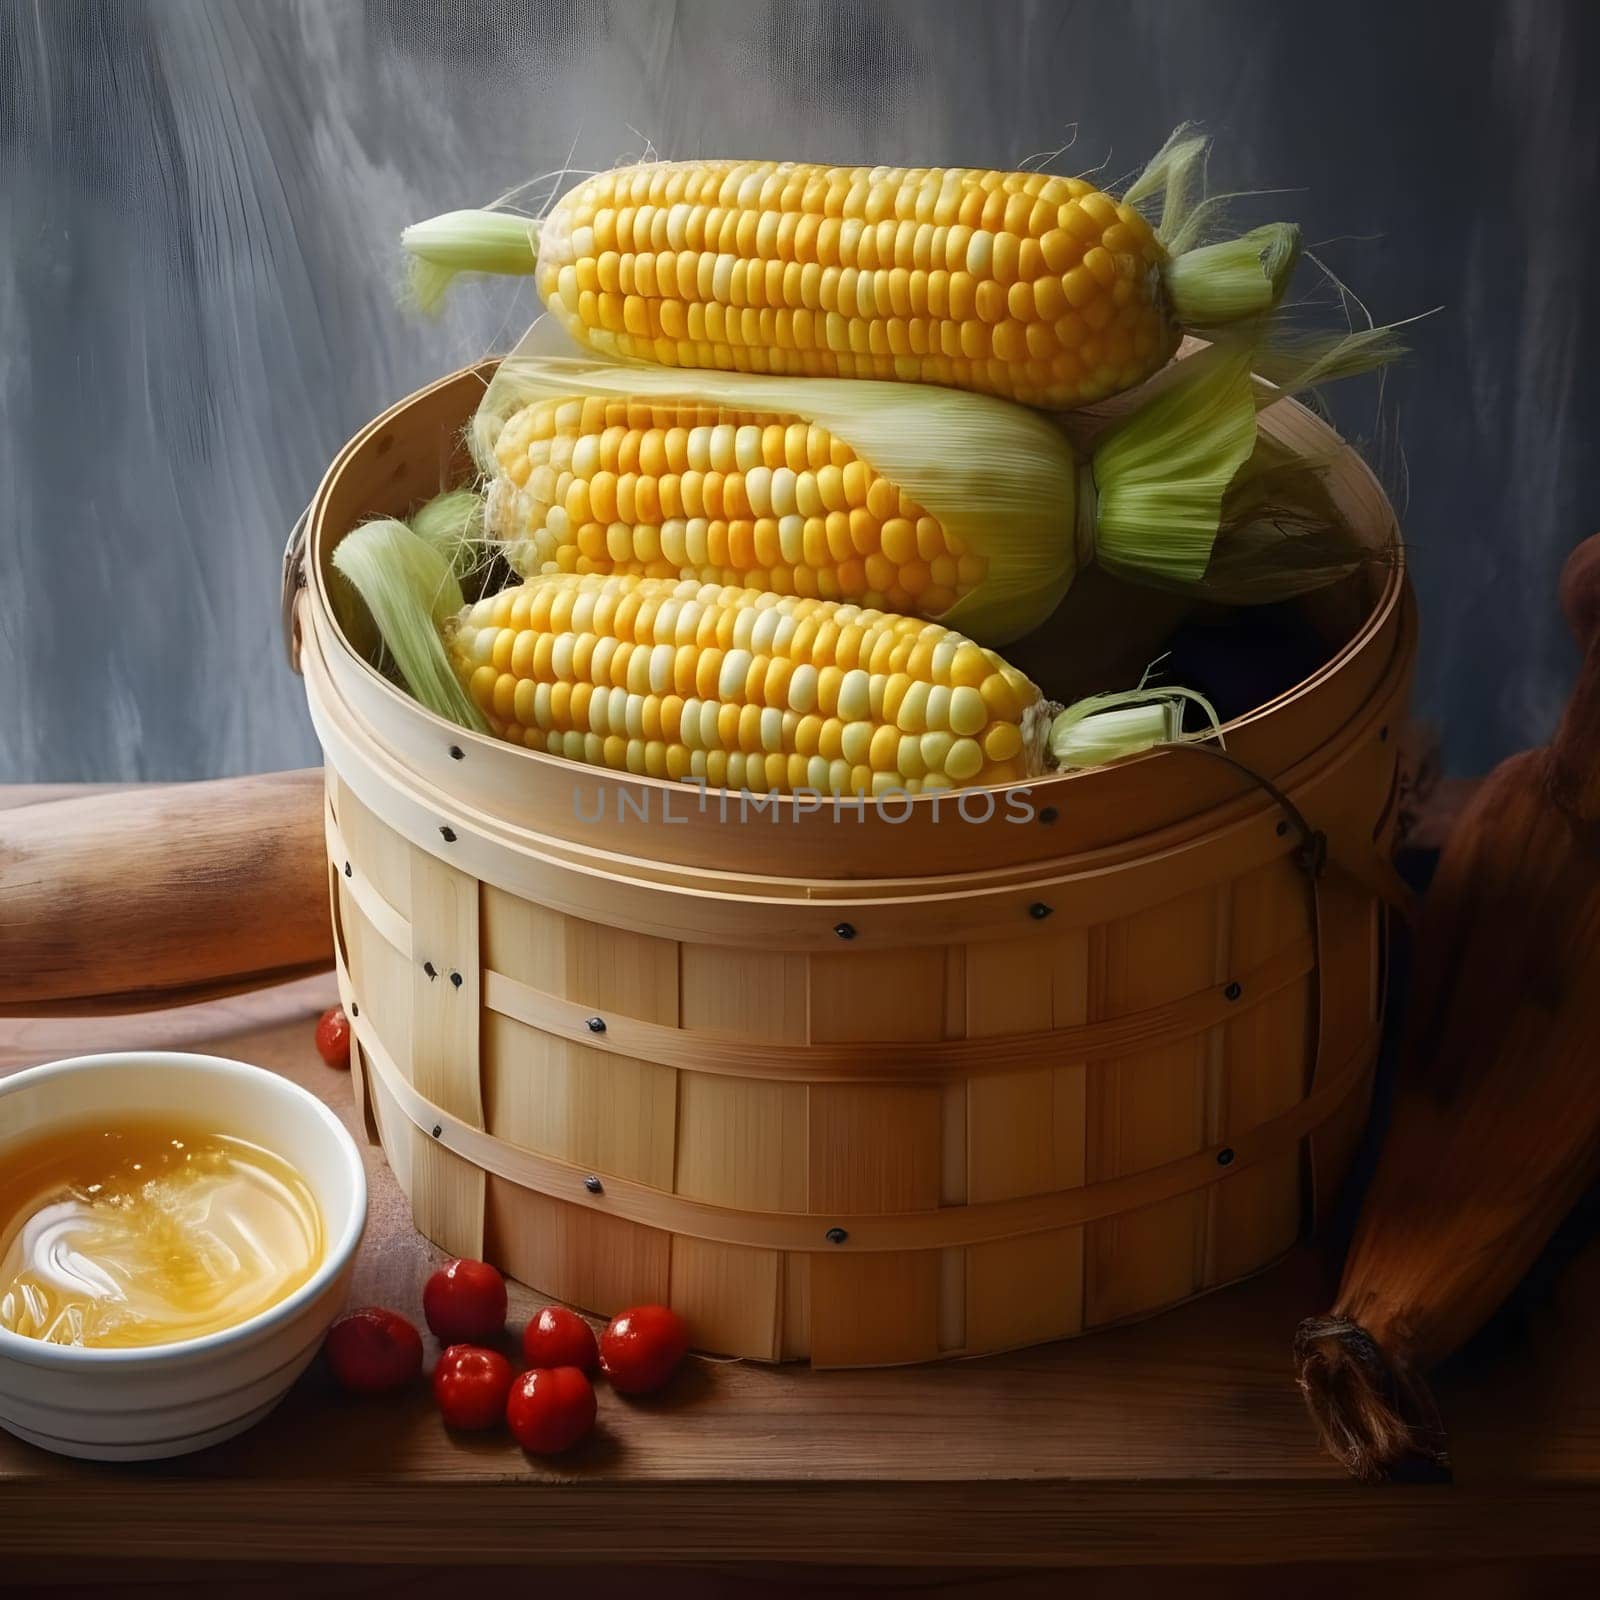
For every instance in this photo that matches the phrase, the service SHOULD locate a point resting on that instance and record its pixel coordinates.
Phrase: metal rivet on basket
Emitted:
(1039, 910)
(430, 969)
(836, 1236)
(457, 753)
(845, 930)
(594, 1185)
(597, 1024)
(347, 871)
(438, 1132)
(448, 835)
(1282, 828)
(1225, 1157)
(455, 980)
(1233, 991)
(1048, 815)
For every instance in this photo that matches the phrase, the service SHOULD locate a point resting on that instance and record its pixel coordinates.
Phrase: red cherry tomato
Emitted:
(333, 1038)
(471, 1385)
(465, 1302)
(560, 1338)
(642, 1348)
(373, 1351)
(550, 1409)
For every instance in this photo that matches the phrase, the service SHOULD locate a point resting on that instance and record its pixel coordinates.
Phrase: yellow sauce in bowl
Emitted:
(147, 1232)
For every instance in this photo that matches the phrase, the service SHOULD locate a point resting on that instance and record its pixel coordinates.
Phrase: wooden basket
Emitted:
(873, 1084)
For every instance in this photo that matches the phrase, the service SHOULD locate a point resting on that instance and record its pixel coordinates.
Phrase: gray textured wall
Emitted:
(198, 202)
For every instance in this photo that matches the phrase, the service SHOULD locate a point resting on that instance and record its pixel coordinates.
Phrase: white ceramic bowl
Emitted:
(164, 1400)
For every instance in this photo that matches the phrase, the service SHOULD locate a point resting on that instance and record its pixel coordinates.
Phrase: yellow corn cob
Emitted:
(1018, 284)
(740, 689)
(675, 489)
(728, 687)
(959, 508)
(1042, 289)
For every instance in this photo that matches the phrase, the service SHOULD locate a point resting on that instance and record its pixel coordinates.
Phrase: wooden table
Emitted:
(1176, 1443)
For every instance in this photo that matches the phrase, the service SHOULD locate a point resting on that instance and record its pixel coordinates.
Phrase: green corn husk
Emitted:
(1160, 477)
(443, 247)
(1110, 727)
(411, 593)
(1212, 285)
(452, 524)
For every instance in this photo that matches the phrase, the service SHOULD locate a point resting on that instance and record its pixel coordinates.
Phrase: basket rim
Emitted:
(1305, 429)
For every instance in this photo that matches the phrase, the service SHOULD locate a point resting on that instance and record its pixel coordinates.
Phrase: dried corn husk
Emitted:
(1496, 1127)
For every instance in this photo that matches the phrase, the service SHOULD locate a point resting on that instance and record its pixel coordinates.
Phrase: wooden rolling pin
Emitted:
(1496, 1126)
(139, 898)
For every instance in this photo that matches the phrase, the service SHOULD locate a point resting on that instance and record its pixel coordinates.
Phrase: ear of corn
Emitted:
(930, 502)
(732, 688)
(933, 502)
(759, 499)
(702, 682)
(927, 501)
(1037, 288)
